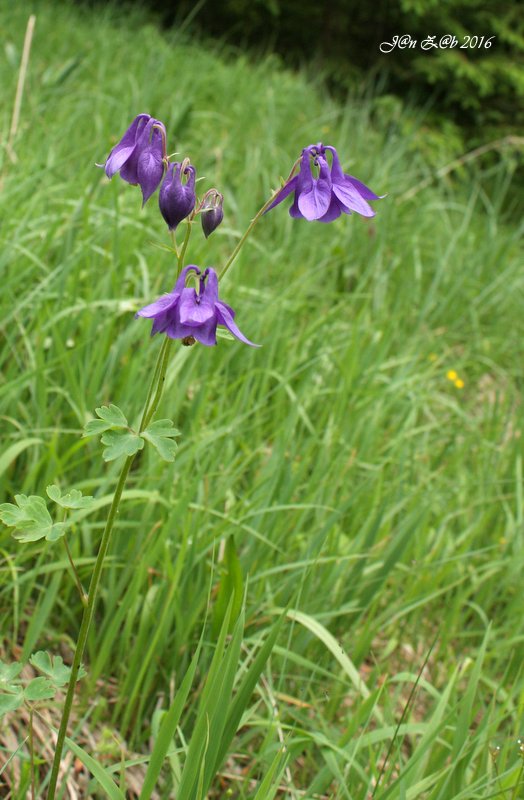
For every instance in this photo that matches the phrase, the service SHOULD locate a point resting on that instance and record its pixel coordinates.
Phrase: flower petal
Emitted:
(160, 323)
(363, 190)
(286, 190)
(124, 149)
(150, 169)
(181, 281)
(334, 211)
(350, 198)
(209, 286)
(160, 306)
(193, 309)
(224, 318)
(207, 334)
(294, 210)
(117, 158)
(314, 204)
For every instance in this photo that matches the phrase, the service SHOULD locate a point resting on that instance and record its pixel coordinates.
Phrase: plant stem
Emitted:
(252, 224)
(86, 622)
(83, 596)
(89, 607)
(153, 383)
(183, 249)
(163, 360)
(32, 754)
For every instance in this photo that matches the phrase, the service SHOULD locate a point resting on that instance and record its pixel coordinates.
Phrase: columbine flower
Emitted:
(176, 199)
(211, 211)
(139, 155)
(186, 312)
(324, 196)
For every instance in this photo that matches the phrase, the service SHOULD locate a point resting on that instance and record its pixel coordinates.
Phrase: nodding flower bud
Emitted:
(176, 199)
(211, 211)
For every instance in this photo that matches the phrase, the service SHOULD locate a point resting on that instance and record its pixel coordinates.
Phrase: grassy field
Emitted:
(368, 493)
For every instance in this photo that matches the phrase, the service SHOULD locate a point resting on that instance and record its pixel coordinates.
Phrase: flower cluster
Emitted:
(328, 194)
(140, 158)
(322, 191)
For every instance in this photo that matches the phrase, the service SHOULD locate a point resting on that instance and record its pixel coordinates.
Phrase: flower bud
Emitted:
(176, 199)
(211, 212)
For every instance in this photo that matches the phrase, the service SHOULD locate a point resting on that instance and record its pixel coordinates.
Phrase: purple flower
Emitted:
(187, 313)
(139, 155)
(211, 211)
(176, 199)
(324, 194)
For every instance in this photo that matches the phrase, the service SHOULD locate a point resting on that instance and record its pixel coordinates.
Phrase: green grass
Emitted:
(367, 494)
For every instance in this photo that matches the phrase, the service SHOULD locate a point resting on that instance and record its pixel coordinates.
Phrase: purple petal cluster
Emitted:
(187, 312)
(176, 199)
(324, 192)
(139, 155)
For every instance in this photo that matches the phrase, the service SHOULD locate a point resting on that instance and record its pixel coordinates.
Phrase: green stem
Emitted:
(183, 249)
(149, 410)
(32, 754)
(153, 383)
(83, 596)
(252, 224)
(86, 622)
(173, 239)
(164, 355)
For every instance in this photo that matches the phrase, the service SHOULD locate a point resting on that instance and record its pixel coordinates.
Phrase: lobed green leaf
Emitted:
(30, 519)
(10, 702)
(54, 668)
(71, 499)
(160, 434)
(120, 443)
(8, 672)
(110, 417)
(39, 689)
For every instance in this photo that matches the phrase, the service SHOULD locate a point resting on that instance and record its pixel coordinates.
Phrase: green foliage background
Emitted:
(480, 89)
(363, 488)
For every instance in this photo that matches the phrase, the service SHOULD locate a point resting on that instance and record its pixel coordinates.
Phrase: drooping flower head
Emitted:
(176, 199)
(187, 312)
(139, 155)
(211, 211)
(323, 192)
